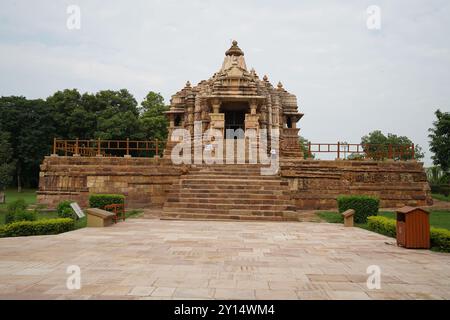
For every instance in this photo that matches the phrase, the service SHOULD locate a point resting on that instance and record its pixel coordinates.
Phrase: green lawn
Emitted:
(438, 219)
(29, 195)
(441, 197)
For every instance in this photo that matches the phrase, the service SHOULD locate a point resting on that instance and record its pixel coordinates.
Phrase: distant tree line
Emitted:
(28, 126)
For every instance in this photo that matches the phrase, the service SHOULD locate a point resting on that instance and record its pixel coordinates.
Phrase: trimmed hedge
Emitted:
(439, 238)
(25, 216)
(35, 228)
(102, 200)
(364, 206)
(382, 225)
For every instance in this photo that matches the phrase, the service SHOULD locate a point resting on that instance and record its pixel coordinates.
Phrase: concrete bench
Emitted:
(99, 218)
(348, 217)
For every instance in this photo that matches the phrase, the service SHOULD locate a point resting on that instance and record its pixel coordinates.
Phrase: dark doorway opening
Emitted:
(235, 120)
(235, 117)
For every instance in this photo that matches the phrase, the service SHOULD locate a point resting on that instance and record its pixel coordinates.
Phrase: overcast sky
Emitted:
(349, 79)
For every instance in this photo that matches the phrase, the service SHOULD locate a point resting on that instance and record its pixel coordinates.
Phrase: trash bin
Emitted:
(413, 228)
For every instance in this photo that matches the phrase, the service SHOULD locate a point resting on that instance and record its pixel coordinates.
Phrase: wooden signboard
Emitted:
(77, 209)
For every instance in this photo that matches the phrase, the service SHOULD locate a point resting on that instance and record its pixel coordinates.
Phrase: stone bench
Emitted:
(348, 217)
(99, 218)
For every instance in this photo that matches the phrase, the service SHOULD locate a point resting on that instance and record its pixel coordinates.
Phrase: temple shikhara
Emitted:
(233, 98)
(236, 98)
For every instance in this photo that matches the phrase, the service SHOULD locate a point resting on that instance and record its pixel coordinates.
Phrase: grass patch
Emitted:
(29, 195)
(134, 213)
(438, 218)
(441, 197)
(331, 217)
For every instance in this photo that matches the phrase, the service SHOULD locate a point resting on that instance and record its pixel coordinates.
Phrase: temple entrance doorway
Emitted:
(235, 117)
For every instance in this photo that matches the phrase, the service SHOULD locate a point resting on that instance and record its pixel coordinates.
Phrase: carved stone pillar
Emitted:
(253, 107)
(171, 123)
(217, 119)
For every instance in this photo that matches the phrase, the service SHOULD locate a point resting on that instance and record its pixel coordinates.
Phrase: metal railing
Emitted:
(366, 151)
(108, 148)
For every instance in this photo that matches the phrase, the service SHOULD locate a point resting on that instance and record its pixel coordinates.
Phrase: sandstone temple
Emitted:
(233, 98)
(236, 98)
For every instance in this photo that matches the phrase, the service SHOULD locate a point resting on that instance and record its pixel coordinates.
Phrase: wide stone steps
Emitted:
(215, 217)
(230, 192)
(227, 206)
(203, 176)
(230, 188)
(236, 182)
(222, 199)
(210, 193)
(247, 211)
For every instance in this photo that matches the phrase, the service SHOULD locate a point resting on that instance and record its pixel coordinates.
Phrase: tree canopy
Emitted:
(31, 125)
(7, 164)
(378, 138)
(440, 140)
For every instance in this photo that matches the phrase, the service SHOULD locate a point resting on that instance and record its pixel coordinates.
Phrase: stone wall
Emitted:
(144, 181)
(315, 184)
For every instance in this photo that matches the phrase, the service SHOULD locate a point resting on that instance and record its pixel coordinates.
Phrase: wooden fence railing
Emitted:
(108, 148)
(366, 151)
(150, 148)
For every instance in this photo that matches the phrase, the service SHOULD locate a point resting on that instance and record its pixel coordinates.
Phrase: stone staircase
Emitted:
(229, 192)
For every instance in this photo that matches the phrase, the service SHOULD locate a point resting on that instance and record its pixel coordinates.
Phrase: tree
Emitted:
(304, 147)
(440, 140)
(152, 100)
(7, 164)
(70, 118)
(379, 146)
(117, 115)
(436, 176)
(153, 120)
(31, 129)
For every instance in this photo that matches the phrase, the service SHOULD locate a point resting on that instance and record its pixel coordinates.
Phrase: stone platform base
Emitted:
(315, 184)
(311, 184)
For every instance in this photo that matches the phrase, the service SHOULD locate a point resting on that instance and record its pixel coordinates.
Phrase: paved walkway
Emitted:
(153, 259)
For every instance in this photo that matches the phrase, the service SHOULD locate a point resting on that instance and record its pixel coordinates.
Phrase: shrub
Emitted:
(17, 205)
(440, 239)
(14, 208)
(9, 216)
(67, 213)
(382, 225)
(441, 189)
(40, 227)
(63, 205)
(364, 206)
(101, 200)
(64, 210)
(25, 215)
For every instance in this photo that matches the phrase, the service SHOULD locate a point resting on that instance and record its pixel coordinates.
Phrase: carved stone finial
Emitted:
(280, 85)
(188, 84)
(234, 50)
(265, 78)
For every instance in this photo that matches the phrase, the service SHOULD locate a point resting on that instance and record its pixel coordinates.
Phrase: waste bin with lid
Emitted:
(413, 228)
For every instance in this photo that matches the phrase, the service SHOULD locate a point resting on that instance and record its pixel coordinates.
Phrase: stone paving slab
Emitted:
(154, 259)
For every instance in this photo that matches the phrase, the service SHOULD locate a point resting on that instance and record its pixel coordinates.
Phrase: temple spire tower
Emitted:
(236, 98)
